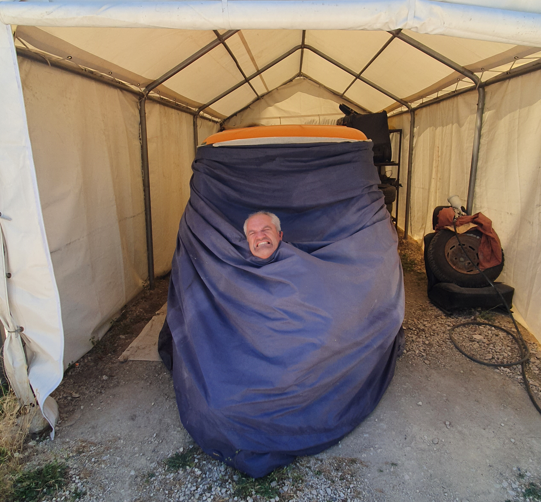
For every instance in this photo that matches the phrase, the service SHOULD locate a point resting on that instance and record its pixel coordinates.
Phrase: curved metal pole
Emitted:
(146, 190)
(408, 182)
(476, 147)
(480, 109)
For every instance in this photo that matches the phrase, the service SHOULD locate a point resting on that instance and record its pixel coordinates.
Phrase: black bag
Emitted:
(376, 128)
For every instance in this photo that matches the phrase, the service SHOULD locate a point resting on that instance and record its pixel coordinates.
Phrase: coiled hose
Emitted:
(524, 350)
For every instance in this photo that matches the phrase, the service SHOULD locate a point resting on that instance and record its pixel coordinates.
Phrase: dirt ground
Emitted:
(447, 429)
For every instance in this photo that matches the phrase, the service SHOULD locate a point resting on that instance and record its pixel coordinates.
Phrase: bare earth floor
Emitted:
(447, 429)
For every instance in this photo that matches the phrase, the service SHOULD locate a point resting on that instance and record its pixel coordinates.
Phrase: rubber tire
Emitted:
(444, 272)
(389, 192)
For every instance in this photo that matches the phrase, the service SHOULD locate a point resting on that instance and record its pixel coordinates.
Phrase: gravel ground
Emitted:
(428, 341)
(135, 449)
(428, 328)
(205, 479)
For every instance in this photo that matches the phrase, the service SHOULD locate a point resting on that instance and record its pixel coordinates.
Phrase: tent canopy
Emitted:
(235, 62)
(223, 71)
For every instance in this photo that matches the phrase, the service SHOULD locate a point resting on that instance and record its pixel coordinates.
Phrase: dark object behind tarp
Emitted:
(283, 357)
(376, 128)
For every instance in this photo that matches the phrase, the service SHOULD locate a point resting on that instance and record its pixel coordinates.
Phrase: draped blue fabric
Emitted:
(282, 357)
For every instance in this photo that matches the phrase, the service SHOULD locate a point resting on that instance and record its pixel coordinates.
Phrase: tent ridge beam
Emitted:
(194, 57)
(230, 52)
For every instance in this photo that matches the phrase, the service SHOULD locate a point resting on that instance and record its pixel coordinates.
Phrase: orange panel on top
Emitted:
(287, 131)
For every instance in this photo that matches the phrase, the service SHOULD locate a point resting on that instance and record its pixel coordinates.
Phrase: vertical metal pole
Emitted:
(399, 132)
(408, 183)
(146, 190)
(476, 147)
(195, 136)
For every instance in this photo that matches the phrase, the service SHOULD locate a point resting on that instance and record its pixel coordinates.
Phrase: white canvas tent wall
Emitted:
(74, 223)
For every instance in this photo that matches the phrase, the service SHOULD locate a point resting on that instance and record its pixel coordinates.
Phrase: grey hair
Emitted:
(275, 220)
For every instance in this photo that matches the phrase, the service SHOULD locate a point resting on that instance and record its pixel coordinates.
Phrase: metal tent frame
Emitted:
(206, 113)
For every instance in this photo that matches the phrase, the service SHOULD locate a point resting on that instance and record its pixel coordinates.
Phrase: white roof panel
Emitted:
(207, 78)
(140, 55)
(147, 52)
(282, 71)
(353, 49)
(404, 71)
(234, 101)
(368, 97)
(298, 102)
(326, 73)
(259, 85)
(461, 50)
(254, 49)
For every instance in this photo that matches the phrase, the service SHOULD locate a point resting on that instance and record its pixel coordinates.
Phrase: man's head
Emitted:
(263, 232)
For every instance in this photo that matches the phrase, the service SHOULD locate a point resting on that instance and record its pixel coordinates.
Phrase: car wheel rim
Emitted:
(455, 255)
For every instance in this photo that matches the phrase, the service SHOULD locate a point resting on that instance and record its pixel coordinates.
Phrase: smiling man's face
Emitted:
(263, 237)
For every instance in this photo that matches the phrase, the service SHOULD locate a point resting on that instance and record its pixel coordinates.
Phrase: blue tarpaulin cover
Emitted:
(282, 357)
